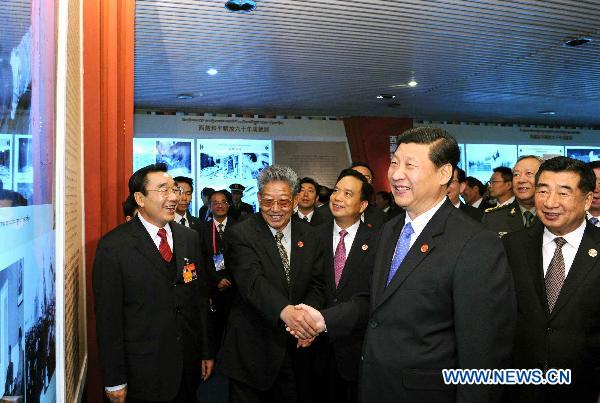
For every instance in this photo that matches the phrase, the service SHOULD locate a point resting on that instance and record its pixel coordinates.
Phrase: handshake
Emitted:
(303, 322)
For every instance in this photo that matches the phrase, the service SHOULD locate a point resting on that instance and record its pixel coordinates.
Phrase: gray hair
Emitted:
(524, 157)
(278, 173)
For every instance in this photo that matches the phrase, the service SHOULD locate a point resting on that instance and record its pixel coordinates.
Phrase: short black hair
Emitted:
(366, 191)
(185, 179)
(310, 181)
(587, 179)
(362, 164)
(461, 175)
(139, 179)
(472, 182)
(444, 148)
(220, 192)
(324, 194)
(129, 206)
(385, 196)
(206, 192)
(505, 172)
(594, 164)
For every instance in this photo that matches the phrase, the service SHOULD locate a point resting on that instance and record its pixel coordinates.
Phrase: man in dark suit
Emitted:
(239, 210)
(350, 247)
(556, 270)
(442, 295)
(307, 197)
(593, 214)
(182, 213)
(458, 177)
(473, 192)
(276, 263)
(219, 276)
(520, 213)
(204, 214)
(151, 300)
(372, 216)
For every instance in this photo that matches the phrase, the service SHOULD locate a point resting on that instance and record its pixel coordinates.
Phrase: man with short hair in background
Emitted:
(454, 192)
(521, 213)
(204, 214)
(500, 186)
(556, 271)
(473, 192)
(307, 197)
(593, 214)
(182, 211)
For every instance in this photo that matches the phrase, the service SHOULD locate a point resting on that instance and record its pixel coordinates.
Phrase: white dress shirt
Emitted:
(153, 232)
(588, 216)
(569, 250)
(419, 223)
(287, 238)
(224, 222)
(179, 217)
(477, 203)
(348, 239)
(512, 199)
(308, 216)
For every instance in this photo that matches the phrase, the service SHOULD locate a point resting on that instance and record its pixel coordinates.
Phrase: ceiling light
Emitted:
(212, 72)
(412, 83)
(577, 42)
(386, 96)
(240, 6)
(185, 96)
(549, 113)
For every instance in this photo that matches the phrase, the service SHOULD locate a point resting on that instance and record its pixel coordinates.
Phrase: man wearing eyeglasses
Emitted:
(520, 213)
(276, 263)
(151, 300)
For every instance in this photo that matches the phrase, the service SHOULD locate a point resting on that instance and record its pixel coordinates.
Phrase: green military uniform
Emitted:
(504, 219)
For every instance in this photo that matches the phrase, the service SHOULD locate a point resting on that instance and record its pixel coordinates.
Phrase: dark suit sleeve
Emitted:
(343, 319)
(316, 295)
(108, 295)
(207, 342)
(249, 276)
(484, 305)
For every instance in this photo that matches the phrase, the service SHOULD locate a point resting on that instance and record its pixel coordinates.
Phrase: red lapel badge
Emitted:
(300, 244)
(370, 225)
(424, 248)
(365, 247)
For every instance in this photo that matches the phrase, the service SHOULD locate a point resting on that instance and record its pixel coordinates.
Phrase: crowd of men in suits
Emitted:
(352, 301)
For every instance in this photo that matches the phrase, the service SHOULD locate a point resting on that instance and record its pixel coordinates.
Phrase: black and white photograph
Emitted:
(6, 160)
(483, 158)
(253, 163)
(11, 332)
(219, 167)
(585, 154)
(177, 155)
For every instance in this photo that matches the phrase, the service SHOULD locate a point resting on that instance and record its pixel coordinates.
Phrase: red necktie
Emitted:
(164, 248)
(339, 259)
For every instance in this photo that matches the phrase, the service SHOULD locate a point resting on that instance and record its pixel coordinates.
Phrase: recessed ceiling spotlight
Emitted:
(185, 96)
(577, 42)
(240, 6)
(386, 96)
(212, 72)
(412, 83)
(548, 113)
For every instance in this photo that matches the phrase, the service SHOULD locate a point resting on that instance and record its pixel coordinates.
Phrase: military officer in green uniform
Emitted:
(521, 212)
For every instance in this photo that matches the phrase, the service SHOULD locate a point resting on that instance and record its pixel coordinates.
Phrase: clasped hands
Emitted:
(303, 322)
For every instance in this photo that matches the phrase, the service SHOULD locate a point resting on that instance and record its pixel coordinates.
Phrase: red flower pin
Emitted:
(370, 225)
(424, 248)
(300, 244)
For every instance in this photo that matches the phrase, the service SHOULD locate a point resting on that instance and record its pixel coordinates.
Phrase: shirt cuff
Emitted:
(114, 388)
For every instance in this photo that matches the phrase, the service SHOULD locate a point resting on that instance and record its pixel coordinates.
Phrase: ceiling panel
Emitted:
(474, 60)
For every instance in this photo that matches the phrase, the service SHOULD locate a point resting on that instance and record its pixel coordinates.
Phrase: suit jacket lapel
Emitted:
(580, 268)
(416, 254)
(387, 245)
(297, 255)
(355, 255)
(328, 256)
(180, 250)
(533, 251)
(147, 248)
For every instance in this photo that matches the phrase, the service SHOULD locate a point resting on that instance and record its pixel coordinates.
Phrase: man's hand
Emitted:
(207, 368)
(304, 343)
(300, 322)
(223, 284)
(315, 317)
(117, 396)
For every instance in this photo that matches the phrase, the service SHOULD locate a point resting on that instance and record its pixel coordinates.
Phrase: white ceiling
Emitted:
(487, 60)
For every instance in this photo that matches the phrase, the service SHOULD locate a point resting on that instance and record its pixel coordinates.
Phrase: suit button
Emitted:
(335, 300)
(549, 330)
(178, 309)
(373, 324)
(174, 285)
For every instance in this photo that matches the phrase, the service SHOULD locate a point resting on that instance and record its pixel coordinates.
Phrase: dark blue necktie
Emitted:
(594, 221)
(402, 247)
